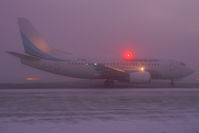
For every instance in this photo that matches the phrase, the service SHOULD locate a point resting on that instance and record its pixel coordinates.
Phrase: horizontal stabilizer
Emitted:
(23, 56)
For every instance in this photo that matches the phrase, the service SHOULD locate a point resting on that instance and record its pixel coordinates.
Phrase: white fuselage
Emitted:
(159, 69)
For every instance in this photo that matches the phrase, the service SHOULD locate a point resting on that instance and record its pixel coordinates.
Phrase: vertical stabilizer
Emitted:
(34, 44)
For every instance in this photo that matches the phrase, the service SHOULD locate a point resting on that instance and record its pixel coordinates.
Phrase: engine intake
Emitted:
(139, 77)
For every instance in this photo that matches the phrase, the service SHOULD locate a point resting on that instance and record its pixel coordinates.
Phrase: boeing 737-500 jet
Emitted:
(38, 55)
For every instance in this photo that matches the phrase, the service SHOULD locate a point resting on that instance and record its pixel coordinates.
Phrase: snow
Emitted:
(99, 111)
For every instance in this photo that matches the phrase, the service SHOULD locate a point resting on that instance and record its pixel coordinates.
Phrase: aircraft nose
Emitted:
(190, 71)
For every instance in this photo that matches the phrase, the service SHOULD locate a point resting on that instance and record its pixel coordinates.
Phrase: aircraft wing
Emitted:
(109, 72)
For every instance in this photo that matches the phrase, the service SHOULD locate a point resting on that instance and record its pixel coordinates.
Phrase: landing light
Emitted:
(142, 69)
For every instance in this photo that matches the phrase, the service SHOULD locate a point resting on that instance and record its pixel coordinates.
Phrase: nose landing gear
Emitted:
(108, 83)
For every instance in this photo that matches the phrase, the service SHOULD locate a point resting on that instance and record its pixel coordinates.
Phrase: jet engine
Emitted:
(139, 77)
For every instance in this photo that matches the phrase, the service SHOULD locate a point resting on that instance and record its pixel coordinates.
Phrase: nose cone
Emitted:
(189, 71)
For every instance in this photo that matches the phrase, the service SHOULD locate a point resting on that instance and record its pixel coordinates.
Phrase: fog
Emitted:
(153, 29)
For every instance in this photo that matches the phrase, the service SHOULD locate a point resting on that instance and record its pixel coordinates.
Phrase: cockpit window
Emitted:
(181, 63)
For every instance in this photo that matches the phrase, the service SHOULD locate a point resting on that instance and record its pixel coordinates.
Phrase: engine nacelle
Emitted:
(139, 77)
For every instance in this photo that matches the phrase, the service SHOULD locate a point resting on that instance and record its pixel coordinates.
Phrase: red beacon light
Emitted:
(128, 55)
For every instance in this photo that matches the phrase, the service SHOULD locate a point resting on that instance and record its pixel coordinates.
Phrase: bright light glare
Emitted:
(95, 64)
(142, 69)
(29, 79)
(128, 55)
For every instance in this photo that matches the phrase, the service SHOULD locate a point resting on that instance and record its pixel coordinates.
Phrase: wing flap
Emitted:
(109, 72)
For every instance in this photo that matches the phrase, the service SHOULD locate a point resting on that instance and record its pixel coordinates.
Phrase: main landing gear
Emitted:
(172, 84)
(108, 83)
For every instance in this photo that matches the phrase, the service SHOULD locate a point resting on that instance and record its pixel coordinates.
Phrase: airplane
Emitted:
(135, 71)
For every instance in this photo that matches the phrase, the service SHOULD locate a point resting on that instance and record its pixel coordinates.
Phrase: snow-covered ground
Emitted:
(99, 111)
(95, 126)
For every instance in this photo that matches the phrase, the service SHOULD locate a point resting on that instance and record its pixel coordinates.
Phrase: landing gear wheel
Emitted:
(172, 83)
(108, 83)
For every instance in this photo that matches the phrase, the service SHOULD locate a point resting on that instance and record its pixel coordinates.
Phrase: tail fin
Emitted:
(34, 44)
